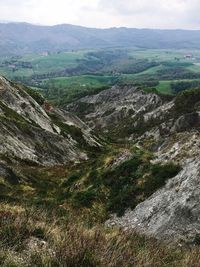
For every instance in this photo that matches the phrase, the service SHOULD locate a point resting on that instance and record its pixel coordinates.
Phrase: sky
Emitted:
(163, 14)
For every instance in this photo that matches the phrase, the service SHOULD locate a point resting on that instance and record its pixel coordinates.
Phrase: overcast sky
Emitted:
(105, 13)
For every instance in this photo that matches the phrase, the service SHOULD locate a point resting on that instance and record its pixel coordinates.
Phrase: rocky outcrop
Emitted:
(42, 134)
(23, 104)
(110, 107)
(28, 132)
(173, 212)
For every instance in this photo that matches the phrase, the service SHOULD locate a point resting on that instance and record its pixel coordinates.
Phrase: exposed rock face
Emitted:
(110, 107)
(27, 132)
(22, 103)
(173, 212)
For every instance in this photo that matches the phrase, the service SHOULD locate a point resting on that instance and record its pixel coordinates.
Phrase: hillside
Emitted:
(23, 38)
(34, 131)
(71, 199)
(168, 128)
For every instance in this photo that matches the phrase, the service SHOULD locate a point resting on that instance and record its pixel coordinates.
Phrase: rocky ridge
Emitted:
(110, 107)
(28, 131)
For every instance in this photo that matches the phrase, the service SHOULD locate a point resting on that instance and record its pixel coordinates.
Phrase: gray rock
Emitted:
(112, 106)
(173, 212)
(27, 132)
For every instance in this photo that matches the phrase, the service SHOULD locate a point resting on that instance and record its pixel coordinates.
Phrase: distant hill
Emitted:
(23, 38)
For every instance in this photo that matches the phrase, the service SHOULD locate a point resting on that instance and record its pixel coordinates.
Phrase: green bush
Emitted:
(159, 175)
(71, 179)
(134, 181)
(186, 100)
(84, 198)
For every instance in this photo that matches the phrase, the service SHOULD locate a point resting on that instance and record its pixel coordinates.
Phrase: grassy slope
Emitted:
(65, 234)
(195, 68)
(61, 240)
(65, 205)
(55, 62)
(78, 81)
(45, 64)
(164, 87)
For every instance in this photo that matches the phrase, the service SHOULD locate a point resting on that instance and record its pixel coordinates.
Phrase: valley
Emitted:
(66, 76)
(99, 147)
(87, 178)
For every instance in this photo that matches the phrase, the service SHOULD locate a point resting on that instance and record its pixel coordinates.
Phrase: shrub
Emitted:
(131, 182)
(84, 198)
(186, 100)
(159, 174)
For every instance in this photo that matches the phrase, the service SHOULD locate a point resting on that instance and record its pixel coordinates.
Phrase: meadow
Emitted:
(73, 74)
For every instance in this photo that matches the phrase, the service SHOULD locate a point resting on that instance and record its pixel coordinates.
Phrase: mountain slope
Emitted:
(171, 132)
(23, 38)
(152, 169)
(116, 110)
(29, 133)
(169, 129)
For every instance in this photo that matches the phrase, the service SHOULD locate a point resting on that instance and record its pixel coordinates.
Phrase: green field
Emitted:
(164, 87)
(55, 62)
(195, 67)
(73, 74)
(66, 89)
(42, 64)
(78, 82)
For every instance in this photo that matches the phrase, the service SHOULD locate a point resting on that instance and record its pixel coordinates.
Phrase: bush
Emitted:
(186, 100)
(71, 179)
(134, 181)
(84, 198)
(159, 175)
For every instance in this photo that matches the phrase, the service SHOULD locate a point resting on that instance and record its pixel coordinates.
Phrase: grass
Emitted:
(85, 186)
(63, 90)
(195, 67)
(126, 185)
(108, 67)
(44, 64)
(157, 54)
(56, 62)
(164, 87)
(78, 82)
(38, 227)
(36, 237)
(150, 71)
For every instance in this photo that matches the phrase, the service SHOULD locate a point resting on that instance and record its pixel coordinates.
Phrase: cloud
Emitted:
(142, 6)
(155, 13)
(105, 13)
(44, 11)
(14, 3)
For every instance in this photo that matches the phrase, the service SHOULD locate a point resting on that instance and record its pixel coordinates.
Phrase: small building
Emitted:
(189, 56)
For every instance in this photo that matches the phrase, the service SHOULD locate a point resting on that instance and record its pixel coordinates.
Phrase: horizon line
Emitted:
(98, 28)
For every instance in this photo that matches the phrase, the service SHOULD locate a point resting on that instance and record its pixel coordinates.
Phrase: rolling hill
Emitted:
(23, 38)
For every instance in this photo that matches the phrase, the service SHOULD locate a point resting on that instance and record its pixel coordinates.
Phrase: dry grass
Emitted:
(31, 237)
